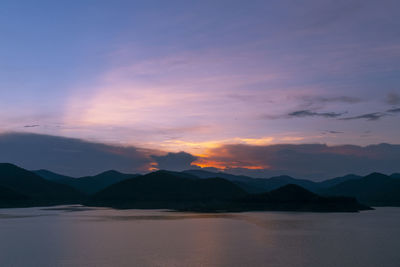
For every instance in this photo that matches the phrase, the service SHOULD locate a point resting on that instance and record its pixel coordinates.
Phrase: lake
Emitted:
(79, 236)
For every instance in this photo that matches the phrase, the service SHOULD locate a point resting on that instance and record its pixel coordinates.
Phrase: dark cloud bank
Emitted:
(315, 161)
(175, 161)
(69, 156)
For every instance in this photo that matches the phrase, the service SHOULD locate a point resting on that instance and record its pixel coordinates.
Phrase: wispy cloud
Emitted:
(369, 116)
(375, 115)
(304, 113)
(392, 98)
(310, 113)
(31, 126)
(310, 100)
(333, 132)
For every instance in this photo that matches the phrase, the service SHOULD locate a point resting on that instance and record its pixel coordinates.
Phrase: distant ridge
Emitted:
(295, 198)
(166, 190)
(19, 183)
(163, 189)
(259, 185)
(87, 184)
(9, 197)
(395, 175)
(196, 190)
(338, 180)
(375, 189)
(256, 185)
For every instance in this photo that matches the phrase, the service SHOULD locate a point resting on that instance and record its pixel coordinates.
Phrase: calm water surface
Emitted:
(76, 236)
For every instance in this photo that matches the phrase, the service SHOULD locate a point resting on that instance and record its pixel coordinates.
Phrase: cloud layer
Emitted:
(314, 161)
(175, 161)
(70, 156)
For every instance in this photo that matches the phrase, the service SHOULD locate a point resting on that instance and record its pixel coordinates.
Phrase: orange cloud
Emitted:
(210, 161)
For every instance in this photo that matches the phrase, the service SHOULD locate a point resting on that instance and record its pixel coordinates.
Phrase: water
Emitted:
(76, 236)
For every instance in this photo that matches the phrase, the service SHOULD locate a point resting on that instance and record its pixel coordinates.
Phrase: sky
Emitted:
(226, 85)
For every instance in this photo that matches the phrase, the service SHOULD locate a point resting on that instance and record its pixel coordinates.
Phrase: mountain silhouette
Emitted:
(34, 188)
(87, 184)
(279, 181)
(10, 198)
(163, 189)
(337, 180)
(375, 189)
(197, 190)
(295, 198)
(395, 175)
(52, 176)
(260, 185)
(292, 192)
(256, 185)
(166, 190)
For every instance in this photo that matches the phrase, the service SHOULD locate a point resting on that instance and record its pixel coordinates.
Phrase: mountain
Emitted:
(28, 185)
(249, 184)
(256, 185)
(395, 175)
(292, 192)
(338, 180)
(295, 198)
(207, 174)
(167, 190)
(260, 185)
(7, 193)
(87, 184)
(52, 176)
(375, 189)
(10, 198)
(279, 181)
(164, 189)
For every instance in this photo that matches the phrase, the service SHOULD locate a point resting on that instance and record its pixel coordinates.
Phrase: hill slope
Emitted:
(375, 189)
(337, 180)
(256, 185)
(295, 198)
(166, 190)
(35, 188)
(87, 184)
(163, 189)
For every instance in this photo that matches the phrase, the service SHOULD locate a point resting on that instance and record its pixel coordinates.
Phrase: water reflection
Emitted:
(82, 236)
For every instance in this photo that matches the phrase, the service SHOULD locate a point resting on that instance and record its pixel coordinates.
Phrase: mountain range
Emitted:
(169, 190)
(87, 184)
(196, 190)
(375, 189)
(22, 187)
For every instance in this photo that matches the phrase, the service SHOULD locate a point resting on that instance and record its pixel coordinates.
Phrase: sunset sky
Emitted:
(233, 84)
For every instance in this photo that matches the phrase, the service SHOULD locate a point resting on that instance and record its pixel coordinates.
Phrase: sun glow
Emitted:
(223, 165)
